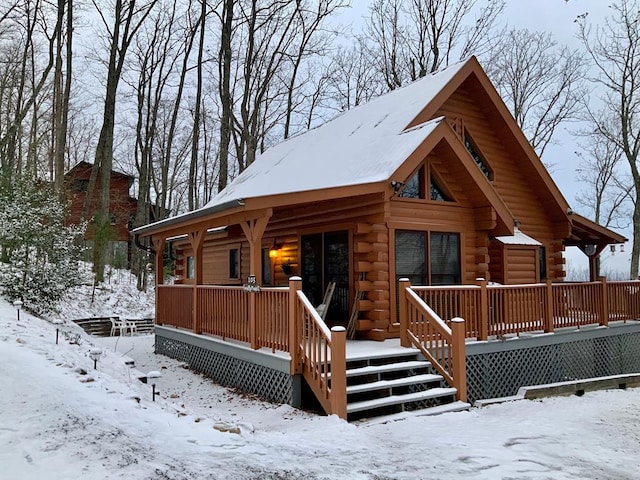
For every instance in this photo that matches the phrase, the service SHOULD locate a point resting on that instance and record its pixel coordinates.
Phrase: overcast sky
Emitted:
(556, 17)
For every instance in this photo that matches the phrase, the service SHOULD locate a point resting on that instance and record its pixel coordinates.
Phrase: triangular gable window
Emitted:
(473, 149)
(437, 193)
(414, 188)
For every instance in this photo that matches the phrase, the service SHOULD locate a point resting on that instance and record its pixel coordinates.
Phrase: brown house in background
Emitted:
(122, 208)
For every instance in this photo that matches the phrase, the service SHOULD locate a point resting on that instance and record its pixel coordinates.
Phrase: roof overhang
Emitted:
(585, 232)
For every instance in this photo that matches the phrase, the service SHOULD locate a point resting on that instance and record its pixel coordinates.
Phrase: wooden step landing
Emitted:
(456, 406)
(432, 393)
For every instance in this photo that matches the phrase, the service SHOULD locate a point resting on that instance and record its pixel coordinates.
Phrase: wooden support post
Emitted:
(339, 372)
(196, 239)
(604, 308)
(403, 284)
(295, 285)
(158, 246)
(459, 358)
(483, 314)
(548, 321)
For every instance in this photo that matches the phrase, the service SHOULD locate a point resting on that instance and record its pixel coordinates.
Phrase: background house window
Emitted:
(191, 267)
(234, 263)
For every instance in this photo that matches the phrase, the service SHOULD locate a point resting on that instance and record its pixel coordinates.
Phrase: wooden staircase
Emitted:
(393, 384)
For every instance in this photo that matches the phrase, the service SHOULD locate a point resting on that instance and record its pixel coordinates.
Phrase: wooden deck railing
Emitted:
(497, 310)
(442, 345)
(225, 312)
(174, 305)
(318, 353)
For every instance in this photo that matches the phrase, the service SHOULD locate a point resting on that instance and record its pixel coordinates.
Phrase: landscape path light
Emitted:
(95, 354)
(57, 323)
(18, 305)
(152, 377)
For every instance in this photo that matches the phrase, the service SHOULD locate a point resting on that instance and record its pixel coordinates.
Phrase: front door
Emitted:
(325, 258)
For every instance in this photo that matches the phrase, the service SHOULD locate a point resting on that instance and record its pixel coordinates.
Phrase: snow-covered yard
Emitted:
(61, 419)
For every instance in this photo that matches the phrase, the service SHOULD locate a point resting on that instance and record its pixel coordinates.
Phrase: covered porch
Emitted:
(442, 324)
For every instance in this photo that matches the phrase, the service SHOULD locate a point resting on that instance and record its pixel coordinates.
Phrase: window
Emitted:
(436, 192)
(234, 263)
(414, 187)
(473, 149)
(266, 267)
(542, 258)
(428, 258)
(191, 267)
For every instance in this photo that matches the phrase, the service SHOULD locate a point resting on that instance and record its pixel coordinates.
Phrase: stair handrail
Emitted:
(319, 353)
(441, 345)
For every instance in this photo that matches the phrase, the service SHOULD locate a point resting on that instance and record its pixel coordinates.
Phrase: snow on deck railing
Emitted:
(497, 310)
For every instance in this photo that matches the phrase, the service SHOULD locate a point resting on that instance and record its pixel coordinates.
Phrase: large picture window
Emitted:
(428, 258)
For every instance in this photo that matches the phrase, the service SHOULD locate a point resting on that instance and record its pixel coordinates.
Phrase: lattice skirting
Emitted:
(502, 369)
(269, 383)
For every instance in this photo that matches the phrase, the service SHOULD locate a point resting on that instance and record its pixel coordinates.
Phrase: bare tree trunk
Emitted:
(224, 69)
(193, 167)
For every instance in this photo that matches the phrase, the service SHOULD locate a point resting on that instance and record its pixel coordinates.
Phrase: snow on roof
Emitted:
(363, 145)
(518, 238)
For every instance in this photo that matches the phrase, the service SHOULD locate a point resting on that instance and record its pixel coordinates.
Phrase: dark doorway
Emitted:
(325, 258)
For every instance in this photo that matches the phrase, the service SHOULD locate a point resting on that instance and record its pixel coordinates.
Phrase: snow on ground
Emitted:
(61, 419)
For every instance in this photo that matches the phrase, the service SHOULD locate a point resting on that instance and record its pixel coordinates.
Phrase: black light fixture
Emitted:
(397, 186)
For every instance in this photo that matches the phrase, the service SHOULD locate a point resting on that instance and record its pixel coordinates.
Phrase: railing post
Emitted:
(253, 321)
(459, 357)
(483, 316)
(548, 321)
(339, 372)
(295, 285)
(403, 284)
(604, 308)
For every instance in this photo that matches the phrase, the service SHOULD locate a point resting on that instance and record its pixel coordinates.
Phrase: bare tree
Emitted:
(614, 49)
(128, 17)
(414, 38)
(541, 82)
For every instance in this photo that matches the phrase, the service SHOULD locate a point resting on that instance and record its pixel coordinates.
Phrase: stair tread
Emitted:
(398, 382)
(398, 399)
(390, 367)
(456, 406)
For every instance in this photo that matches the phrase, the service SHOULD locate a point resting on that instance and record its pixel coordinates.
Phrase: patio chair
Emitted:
(117, 325)
(326, 301)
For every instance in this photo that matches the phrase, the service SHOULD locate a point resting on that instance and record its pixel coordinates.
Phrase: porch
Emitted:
(265, 341)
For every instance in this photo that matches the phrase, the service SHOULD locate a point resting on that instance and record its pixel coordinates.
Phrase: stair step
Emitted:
(399, 382)
(456, 406)
(391, 367)
(399, 399)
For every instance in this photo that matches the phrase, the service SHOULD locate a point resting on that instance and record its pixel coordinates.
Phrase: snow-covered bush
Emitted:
(39, 253)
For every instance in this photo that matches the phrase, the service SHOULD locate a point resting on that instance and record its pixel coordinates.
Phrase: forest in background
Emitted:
(185, 94)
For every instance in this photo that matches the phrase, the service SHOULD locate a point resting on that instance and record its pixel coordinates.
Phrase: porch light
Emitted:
(622, 248)
(273, 251)
(613, 249)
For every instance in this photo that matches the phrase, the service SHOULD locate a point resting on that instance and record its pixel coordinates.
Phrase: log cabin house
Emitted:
(122, 208)
(405, 207)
